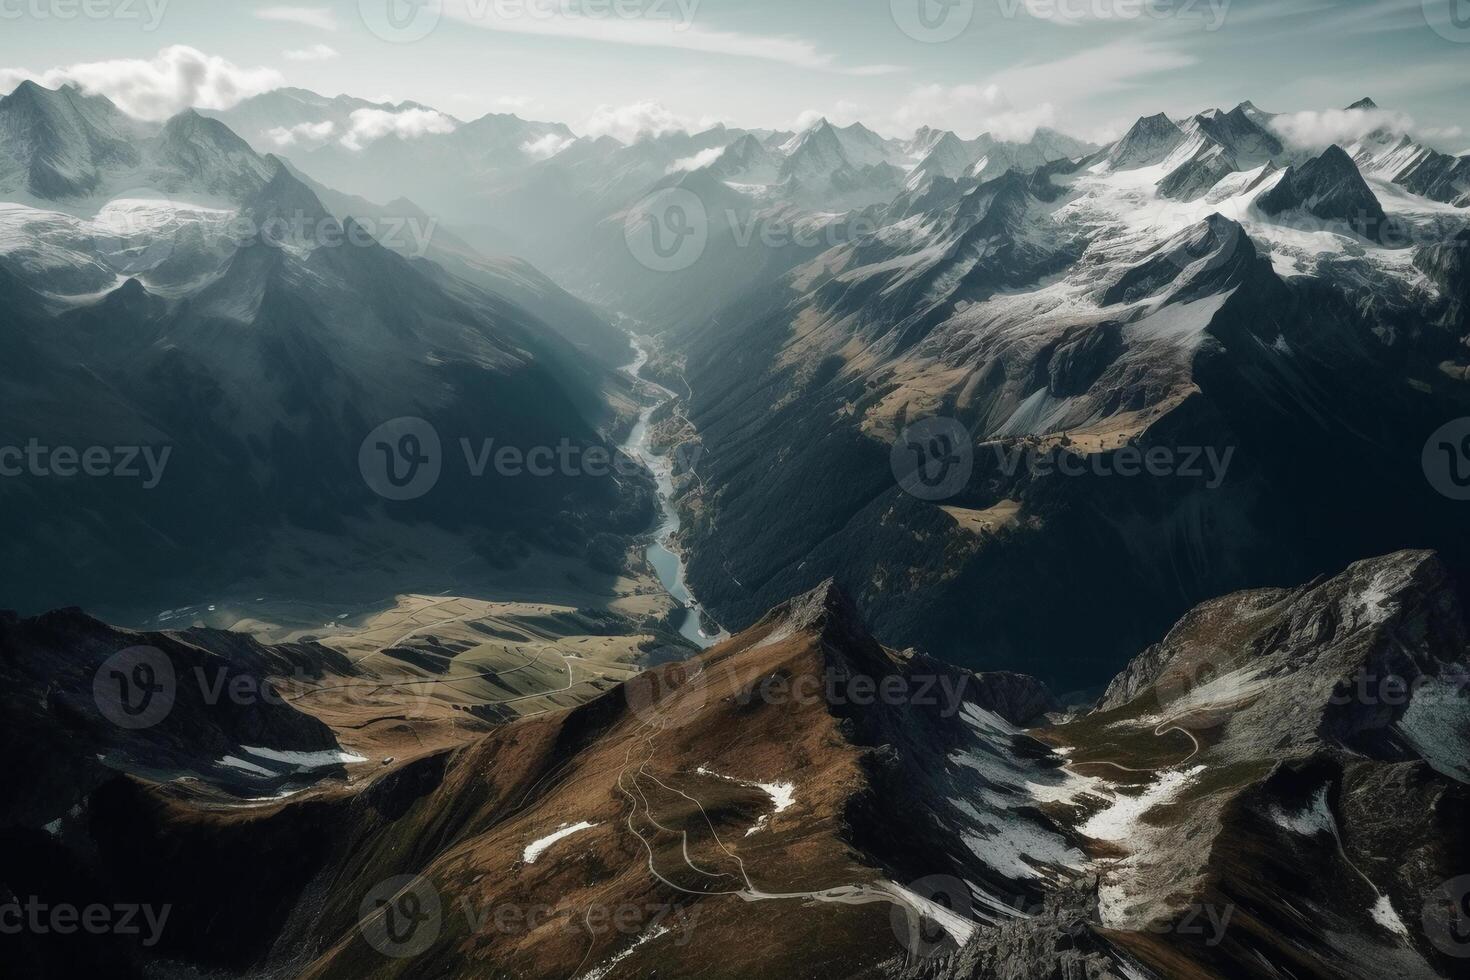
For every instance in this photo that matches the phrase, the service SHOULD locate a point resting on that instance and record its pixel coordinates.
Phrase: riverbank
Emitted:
(662, 551)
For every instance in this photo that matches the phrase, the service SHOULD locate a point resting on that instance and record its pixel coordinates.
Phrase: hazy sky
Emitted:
(1087, 66)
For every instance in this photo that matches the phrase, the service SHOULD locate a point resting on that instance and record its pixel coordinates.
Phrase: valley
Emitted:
(1017, 556)
(663, 553)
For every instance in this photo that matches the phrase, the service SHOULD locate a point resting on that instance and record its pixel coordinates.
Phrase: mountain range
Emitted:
(1078, 591)
(174, 290)
(1235, 805)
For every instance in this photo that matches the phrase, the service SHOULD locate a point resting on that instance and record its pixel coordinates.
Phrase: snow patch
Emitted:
(243, 766)
(1120, 821)
(783, 795)
(1384, 915)
(1437, 725)
(538, 847)
(305, 760)
(1315, 819)
(1375, 603)
(959, 928)
(599, 972)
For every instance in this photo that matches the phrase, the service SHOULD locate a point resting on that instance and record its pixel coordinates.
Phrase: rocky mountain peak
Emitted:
(1149, 141)
(1329, 187)
(827, 605)
(206, 155)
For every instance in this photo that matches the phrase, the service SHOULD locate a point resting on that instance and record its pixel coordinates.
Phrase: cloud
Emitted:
(701, 159)
(630, 123)
(554, 18)
(309, 133)
(1441, 132)
(972, 109)
(317, 52)
(514, 102)
(321, 18)
(178, 78)
(843, 113)
(1072, 13)
(1313, 130)
(369, 125)
(547, 146)
(1107, 68)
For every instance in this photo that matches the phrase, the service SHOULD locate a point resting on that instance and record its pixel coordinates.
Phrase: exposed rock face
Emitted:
(1089, 311)
(205, 154)
(1448, 266)
(66, 719)
(1328, 187)
(1057, 941)
(1148, 142)
(58, 144)
(1239, 804)
(240, 343)
(1288, 705)
(1020, 699)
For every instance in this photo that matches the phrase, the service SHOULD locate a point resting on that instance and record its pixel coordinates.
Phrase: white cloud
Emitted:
(514, 102)
(317, 52)
(1072, 13)
(369, 125)
(970, 110)
(701, 159)
(1313, 130)
(555, 18)
(843, 113)
(317, 133)
(547, 146)
(178, 78)
(1102, 70)
(321, 18)
(630, 123)
(1020, 125)
(1441, 132)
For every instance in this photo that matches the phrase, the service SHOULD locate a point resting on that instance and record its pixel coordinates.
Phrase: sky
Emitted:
(1087, 67)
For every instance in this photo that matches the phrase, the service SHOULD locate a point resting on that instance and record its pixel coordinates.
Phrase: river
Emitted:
(667, 563)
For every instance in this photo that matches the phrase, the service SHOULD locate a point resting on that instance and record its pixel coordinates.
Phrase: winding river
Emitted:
(666, 561)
